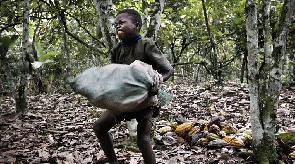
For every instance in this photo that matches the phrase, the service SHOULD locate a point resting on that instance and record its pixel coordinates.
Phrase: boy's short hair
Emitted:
(134, 15)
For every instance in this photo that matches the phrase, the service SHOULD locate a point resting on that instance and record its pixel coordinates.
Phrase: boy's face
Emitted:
(125, 27)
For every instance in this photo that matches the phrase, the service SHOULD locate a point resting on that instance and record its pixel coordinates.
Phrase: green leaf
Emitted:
(39, 50)
(286, 136)
(168, 10)
(41, 54)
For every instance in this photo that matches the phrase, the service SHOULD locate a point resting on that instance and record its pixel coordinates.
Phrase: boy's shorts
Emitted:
(140, 115)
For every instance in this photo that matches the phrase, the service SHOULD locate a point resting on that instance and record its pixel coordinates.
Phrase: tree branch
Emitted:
(87, 31)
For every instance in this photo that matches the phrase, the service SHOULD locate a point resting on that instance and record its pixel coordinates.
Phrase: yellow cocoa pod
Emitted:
(292, 155)
(183, 129)
(229, 129)
(233, 141)
(204, 141)
(194, 130)
(206, 128)
(164, 129)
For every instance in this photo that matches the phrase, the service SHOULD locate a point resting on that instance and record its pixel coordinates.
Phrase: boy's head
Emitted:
(128, 22)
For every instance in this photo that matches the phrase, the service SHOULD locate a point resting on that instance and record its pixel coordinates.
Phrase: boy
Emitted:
(132, 47)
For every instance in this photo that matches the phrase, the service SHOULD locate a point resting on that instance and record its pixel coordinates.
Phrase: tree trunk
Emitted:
(155, 20)
(106, 18)
(291, 67)
(65, 51)
(267, 100)
(283, 31)
(265, 83)
(21, 90)
(244, 68)
(213, 57)
(144, 16)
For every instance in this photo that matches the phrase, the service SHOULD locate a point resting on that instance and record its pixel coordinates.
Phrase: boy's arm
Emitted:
(158, 59)
(168, 74)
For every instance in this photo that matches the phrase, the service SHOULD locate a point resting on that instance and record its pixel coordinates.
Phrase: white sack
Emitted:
(118, 87)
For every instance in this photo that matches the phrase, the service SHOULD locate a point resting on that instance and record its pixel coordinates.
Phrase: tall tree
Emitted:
(213, 55)
(265, 81)
(63, 21)
(21, 92)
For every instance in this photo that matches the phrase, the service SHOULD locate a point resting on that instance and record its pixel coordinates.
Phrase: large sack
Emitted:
(118, 87)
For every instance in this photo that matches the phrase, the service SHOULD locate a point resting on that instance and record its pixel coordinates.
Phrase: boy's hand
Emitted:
(153, 93)
(168, 74)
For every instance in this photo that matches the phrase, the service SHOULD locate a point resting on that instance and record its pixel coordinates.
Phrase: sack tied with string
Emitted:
(119, 87)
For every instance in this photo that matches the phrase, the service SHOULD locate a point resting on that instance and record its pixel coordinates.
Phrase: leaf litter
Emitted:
(204, 123)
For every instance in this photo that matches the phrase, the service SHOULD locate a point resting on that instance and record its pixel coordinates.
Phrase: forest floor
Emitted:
(58, 128)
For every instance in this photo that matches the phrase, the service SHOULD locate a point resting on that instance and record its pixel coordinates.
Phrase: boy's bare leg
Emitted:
(143, 141)
(101, 127)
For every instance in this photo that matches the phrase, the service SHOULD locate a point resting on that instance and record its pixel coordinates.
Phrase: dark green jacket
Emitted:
(144, 50)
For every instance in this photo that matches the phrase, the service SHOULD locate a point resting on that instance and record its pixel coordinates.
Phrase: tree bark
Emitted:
(252, 45)
(283, 31)
(291, 67)
(244, 68)
(265, 82)
(21, 91)
(155, 20)
(144, 16)
(105, 14)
